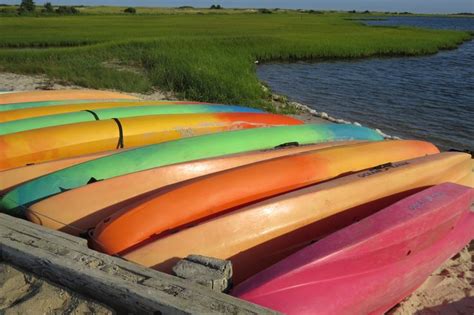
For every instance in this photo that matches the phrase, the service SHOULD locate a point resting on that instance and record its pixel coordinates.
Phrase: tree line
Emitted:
(29, 7)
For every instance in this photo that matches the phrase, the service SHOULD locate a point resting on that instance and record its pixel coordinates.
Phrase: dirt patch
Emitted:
(117, 65)
(21, 82)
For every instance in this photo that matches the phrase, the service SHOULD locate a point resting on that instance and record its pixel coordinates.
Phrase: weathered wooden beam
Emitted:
(123, 285)
(213, 273)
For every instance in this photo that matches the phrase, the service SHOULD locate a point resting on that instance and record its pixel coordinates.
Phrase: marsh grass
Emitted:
(201, 57)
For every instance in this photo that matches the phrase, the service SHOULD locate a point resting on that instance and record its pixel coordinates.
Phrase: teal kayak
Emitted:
(15, 106)
(177, 151)
(116, 112)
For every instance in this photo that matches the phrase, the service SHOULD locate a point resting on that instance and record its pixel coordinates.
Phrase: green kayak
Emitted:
(15, 106)
(177, 151)
(115, 112)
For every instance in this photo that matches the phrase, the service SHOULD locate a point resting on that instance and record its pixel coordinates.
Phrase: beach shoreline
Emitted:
(22, 82)
(449, 290)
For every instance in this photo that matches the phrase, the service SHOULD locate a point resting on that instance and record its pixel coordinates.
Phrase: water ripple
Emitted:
(429, 97)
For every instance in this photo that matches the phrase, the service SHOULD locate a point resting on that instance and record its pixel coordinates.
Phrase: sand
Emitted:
(449, 290)
(23, 293)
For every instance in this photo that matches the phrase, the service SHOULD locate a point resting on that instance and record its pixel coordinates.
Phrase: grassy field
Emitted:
(205, 57)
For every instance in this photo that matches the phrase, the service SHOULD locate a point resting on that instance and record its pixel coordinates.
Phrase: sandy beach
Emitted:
(24, 293)
(449, 290)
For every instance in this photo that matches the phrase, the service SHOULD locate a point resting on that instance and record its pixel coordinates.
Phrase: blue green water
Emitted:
(428, 97)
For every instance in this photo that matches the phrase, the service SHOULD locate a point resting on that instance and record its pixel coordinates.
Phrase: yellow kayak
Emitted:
(38, 111)
(52, 143)
(56, 95)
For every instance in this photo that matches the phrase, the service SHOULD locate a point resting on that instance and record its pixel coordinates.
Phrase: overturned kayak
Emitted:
(16, 176)
(89, 204)
(189, 201)
(120, 112)
(16, 107)
(37, 109)
(60, 95)
(257, 236)
(369, 266)
(178, 151)
(468, 180)
(51, 143)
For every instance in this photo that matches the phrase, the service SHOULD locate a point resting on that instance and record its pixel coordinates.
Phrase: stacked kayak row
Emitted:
(321, 218)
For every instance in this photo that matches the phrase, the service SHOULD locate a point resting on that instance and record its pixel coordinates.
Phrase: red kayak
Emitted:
(370, 266)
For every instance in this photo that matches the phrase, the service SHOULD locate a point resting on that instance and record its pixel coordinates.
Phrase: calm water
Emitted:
(430, 97)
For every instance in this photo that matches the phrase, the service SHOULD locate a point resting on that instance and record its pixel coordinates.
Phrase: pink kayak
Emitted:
(370, 266)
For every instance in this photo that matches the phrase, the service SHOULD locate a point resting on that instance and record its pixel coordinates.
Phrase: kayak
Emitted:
(190, 201)
(60, 95)
(121, 112)
(9, 109)
(89, 204)
(468, 180)
(258, 235)
(36, 109)
(51, 143)
(178, 151)
(369, 266)
(16, 176)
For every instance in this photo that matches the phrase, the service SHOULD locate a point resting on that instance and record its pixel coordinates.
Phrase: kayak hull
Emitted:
(120, 112)
(89, 204)
(178, 151)
(17, 176)
(260, 234)
(52, 143)
(37, 109)
(58, 95)
(370, 266)
(189, 201)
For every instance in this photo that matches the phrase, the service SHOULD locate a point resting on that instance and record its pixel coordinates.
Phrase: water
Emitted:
(429, 97)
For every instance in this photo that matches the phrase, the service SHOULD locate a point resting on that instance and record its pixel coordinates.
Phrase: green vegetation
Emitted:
(47, 8)
(130, 10)
(26, 6)
(66, 10)
(205, 57)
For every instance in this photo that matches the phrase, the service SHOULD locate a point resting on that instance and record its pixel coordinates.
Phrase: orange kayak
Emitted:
(193, 200)
(260, 234)
(52, 143)
(89, 204)
(56, 95)
(16, 176)
(17, 114)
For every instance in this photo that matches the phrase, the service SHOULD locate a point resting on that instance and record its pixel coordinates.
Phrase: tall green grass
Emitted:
(200, 57)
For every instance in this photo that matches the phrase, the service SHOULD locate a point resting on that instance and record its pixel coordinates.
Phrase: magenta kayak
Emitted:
(370, 266)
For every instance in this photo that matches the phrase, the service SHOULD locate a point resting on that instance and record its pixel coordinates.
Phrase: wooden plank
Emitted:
(126, 286)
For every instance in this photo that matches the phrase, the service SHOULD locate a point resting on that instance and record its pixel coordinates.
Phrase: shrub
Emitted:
(314, 12)
(130, 10)
(67, 10)
(265, 11)
(27, 6)
(47, 8)
(215, 7)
